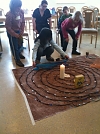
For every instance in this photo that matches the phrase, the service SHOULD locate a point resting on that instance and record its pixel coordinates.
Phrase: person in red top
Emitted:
(68, 26)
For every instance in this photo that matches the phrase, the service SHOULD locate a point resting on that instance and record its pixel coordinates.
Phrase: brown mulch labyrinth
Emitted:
(47, 94)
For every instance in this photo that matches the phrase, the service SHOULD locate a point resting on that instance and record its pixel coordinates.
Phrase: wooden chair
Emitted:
(72, 9)
(2, 26)
(26, 37)
(1, 49)
(84, 8)
(59, 9)
(35, 35)
(90, 27)
(59, 13)
(96, 12)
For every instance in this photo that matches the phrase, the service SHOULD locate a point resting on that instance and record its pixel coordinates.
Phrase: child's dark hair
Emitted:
(44, 2)
(65, 8)
(14, 4)
(44, 36)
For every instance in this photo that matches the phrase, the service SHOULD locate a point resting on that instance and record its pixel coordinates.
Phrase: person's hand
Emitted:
(33, 64)
(20, 40)
(17, 35)
(66, 57)
(36, 31)
(20, 36)
(76, 38)
(67, 39)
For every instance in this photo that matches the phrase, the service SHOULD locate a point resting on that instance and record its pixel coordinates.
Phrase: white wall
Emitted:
(96, 3)
(32, 4)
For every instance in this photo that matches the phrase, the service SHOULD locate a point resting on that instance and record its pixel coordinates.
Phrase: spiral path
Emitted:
(44, 88)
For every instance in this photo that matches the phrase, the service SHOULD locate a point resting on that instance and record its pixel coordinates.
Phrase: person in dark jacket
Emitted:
(65, 15)
(41, 17)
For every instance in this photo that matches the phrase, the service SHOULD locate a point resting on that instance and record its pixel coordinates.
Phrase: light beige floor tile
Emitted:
(14, 117)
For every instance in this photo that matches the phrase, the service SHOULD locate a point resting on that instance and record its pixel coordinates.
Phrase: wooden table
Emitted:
(2, 18)
(27, 19)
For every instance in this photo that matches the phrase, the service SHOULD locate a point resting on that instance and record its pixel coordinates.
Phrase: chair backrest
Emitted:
(72, 9)
(84, 8)
(96, 12)
(88, 18)
(2, 12)
(96, 9)
(59, 9)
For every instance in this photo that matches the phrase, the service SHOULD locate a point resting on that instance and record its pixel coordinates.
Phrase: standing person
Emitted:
(65, 15)
(15, 28)
(44, 45)
(68, 26)
(41, 16)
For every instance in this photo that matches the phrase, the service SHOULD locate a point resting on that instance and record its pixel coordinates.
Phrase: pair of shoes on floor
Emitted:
(19, 63)
(76, 53)
(21, 56)
(50, 58)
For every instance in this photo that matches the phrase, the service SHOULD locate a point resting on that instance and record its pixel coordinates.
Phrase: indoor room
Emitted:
(59, 93)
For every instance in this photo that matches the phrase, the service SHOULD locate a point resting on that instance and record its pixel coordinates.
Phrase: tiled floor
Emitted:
(14, 117)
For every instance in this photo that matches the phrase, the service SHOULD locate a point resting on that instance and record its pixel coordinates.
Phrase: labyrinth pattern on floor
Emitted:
(47, 94)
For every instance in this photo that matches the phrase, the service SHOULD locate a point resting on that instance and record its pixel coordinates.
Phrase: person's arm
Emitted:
(22, 24)
(50, 23)
(34, 24)
(36, 45)
(64, 27)
(34, 19)
(48, 17)
(58, 49)
(79, 30)
(8, 24)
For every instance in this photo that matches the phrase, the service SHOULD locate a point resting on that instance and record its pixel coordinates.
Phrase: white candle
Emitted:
(62, 71)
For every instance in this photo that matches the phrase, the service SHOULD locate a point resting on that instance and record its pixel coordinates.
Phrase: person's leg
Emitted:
(74, 46)
(64, 47)
(20, 48)
(39, 53)
(15, 50)
(48, 51)
(65, 44)
(61, 37)
(10, 42)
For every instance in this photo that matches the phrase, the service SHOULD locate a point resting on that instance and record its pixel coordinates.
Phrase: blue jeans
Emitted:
(15, 47)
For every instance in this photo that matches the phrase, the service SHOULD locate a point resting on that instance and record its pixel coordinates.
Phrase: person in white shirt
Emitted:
(44, 46)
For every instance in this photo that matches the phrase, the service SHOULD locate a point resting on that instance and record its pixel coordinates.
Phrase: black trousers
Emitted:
(74, 45)
(47, 52)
